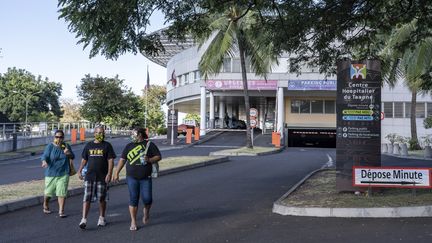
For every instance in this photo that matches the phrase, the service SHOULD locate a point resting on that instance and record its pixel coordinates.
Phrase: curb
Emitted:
(406, 157)
(219, 153)
(387, 212)
(38, 200)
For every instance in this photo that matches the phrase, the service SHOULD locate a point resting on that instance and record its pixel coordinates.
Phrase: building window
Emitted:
(236, 65)
(398, 110)
(317, 106)
(197, 76)
(388, 109)
(420, 110)
(295, 106)
(226, 68)
(186, 78)
(429, 109)
(407, 109)
(305, 106)
(330, 106)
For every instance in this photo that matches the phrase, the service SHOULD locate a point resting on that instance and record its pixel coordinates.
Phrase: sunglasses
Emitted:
(59, 137)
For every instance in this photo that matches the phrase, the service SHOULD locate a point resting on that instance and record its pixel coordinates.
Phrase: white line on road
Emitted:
(329, 162)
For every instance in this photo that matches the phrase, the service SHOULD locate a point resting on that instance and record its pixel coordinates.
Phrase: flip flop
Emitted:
(62, 215)
(46, 211)
(133, 228)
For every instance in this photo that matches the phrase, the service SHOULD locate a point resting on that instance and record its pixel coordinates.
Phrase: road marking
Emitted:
(329, 162)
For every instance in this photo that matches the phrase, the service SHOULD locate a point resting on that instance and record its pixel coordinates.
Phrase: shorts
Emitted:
(95, 190)
(56, 186)
(137, 187)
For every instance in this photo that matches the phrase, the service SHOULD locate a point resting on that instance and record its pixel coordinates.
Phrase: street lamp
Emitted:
(27, 97)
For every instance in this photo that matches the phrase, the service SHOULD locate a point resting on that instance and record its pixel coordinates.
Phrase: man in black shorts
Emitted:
(99, 155)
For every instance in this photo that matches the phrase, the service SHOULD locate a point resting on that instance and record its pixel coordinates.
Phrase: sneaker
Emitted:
(101, 221)
(83, 223)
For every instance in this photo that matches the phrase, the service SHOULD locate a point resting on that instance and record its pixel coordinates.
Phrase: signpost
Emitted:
(172, 131)
(358, 106)
(253, 113)
(364, 176)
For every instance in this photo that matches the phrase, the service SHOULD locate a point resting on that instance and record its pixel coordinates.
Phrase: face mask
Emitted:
(100, 137)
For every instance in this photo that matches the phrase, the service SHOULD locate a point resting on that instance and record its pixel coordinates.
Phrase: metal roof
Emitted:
(172, 47)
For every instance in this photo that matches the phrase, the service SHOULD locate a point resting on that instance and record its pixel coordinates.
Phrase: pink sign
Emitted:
(238, 85)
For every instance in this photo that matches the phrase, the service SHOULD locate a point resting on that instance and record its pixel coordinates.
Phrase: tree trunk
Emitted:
(246, 95)
(414, 140)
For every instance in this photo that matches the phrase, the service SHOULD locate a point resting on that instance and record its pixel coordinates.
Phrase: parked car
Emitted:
(182, 129)
(237, 124)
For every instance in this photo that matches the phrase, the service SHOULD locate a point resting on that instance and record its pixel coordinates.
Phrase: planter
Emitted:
(390, 148)
(383, 148)
(404, 149)
(396, 149)
(428, 152)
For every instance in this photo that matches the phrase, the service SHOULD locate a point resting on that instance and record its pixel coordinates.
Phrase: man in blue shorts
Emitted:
(99, 157)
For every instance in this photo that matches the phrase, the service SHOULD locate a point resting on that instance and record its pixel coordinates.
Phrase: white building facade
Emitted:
(301, 107)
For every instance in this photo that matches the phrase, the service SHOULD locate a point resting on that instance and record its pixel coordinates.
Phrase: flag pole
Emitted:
(146, 100)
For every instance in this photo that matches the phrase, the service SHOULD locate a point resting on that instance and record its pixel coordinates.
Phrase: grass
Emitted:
(418, 153)
(320, 191)
(255, 150)
(16, 191)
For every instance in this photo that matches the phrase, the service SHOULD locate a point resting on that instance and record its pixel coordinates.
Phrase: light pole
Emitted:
(27, 97)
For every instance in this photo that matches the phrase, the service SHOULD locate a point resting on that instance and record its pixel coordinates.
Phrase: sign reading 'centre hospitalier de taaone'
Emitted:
(358, 118)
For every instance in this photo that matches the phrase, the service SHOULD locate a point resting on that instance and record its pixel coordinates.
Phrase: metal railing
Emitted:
(43, 129)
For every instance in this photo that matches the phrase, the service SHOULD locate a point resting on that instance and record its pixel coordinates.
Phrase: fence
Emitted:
(20, 135)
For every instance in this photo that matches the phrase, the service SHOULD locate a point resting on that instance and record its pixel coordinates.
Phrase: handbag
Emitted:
(72, 170)
(155, 166)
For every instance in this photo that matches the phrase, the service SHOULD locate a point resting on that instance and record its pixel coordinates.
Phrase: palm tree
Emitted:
(235, 31)
(411, 64)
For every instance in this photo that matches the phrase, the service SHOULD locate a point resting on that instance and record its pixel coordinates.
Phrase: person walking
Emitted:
(57, 160)
(98, 156)
(139, 155)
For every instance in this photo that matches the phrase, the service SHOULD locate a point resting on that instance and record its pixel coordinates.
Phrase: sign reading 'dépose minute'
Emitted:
(364, 176)
(358, 123)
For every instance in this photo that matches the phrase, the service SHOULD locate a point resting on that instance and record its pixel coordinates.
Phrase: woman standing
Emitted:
(139, 155)
(56, 160)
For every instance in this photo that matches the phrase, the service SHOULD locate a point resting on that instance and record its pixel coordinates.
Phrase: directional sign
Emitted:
(364, 176)
(253, 123)
(253, 112)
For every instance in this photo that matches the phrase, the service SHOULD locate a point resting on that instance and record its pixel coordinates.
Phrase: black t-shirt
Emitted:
(132, 153)
(97, 156)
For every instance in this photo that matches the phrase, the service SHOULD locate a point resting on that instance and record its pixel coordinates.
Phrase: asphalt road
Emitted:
(29, 168)
(228, 202)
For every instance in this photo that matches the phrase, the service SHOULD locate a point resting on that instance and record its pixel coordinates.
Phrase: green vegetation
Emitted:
(320, 191)
(20, 90)
(254, 150)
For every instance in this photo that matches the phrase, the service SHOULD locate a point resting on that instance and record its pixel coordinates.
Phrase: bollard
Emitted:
(82, 134)
(73, 136)
(189, 135)
(197, 133)
(14, 141)
(276, 139)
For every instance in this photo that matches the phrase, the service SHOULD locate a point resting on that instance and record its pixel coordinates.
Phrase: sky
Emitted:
(33, 38)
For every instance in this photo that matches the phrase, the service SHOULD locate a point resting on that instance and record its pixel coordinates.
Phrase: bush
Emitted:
(392, 137)
(414, 144)
(162, 131)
